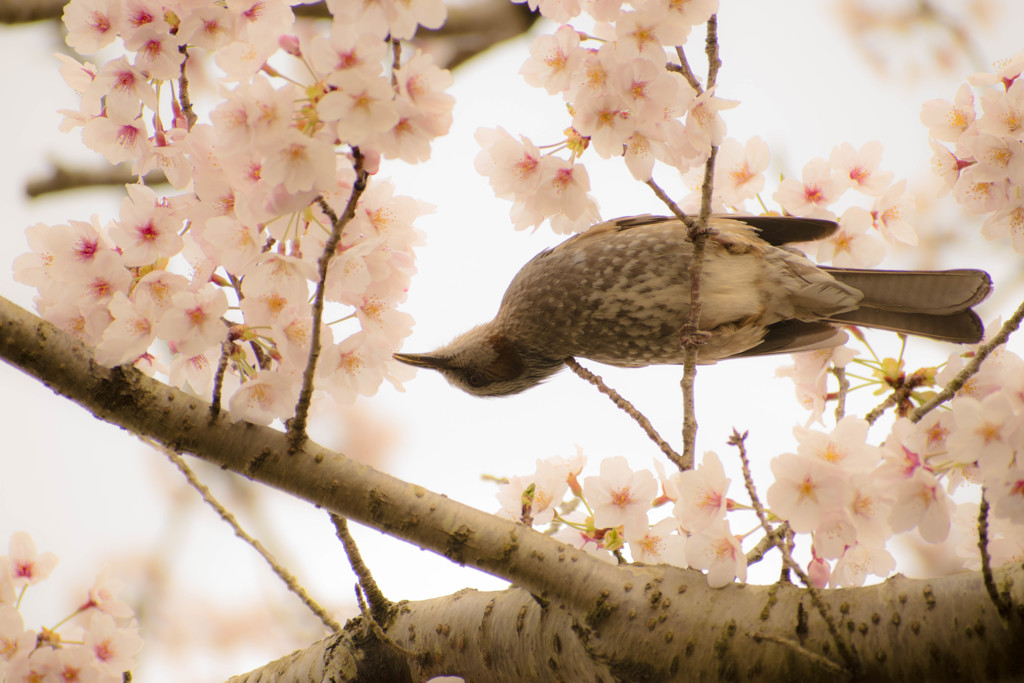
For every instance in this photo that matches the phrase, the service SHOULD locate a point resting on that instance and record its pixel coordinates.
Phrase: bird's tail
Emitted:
(935, 304)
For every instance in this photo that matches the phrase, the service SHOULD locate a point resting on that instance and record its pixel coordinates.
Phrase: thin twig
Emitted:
(1003, 606)
(672, 206)
(955, 384)
(711, 50)
(767, 542)
(844, 389)
(282, 573)
(380, 606)
(297, 425)
(183, 96)
(683, 68)
(226, 348)
(629, 409)
(820, 660)
(378, 630)
(845, 652)
(897, 397)
(396, 62)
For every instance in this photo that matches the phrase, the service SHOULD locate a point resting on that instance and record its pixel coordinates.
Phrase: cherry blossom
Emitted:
(700, 494)
(857, 562)
(861, 167)
(553, 60)
(193, 323)
(24, 564)
(661, 544)
(114, 648)
(945, 121)
(620, 496)
(854, 244)
(147, 229)
(812, 195)
(987, 431)
(805, 490)
(921, 502)
(718, 551)
(92, 24)
(739, 170)
(264, 397)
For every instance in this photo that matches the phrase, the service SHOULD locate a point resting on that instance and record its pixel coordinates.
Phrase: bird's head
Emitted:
(484, 362)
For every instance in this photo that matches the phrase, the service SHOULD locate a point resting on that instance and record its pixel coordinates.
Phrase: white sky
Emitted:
(85, 490)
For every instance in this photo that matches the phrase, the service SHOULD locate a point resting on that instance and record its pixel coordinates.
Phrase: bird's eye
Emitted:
(477, 380)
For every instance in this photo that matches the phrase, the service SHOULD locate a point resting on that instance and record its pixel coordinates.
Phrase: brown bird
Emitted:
(619, 294)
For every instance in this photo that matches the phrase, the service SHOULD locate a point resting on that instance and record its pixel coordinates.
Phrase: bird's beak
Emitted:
(421, 360)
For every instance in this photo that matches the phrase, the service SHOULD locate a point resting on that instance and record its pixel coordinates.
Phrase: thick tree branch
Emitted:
(632, 622)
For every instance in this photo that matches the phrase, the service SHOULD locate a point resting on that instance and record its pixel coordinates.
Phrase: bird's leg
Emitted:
(691, 335)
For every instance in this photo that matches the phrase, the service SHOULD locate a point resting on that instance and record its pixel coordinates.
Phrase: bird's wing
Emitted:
(780, 230)
(794, 336)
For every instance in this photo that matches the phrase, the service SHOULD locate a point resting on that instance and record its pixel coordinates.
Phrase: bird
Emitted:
(619, 293)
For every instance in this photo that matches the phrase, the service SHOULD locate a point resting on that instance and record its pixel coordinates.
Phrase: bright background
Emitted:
(97, 497)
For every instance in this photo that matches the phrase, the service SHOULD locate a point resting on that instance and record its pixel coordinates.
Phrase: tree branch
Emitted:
(627, 622)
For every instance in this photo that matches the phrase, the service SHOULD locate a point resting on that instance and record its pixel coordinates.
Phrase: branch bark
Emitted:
(570, 617)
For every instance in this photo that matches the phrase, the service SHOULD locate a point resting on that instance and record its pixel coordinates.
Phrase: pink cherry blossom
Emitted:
(24, 564)
(888, 214)
(854, 244)
(1006, 494)
(661, 544)
(114, 648)
(265, 397)
(1007, 222)
(147, 229)
(857, 562)
(921, 502)
(739, 170)
(92, 24)
(947, 122)
(978, 195)
(620, 496)
(717, 550)
(193, 323)
(130, 333)
(512, 166)
(987, 431)
(553, 60)
(861, 167)
(845, 447)
(119, 135)
(16, 642)
(805, 490)
(701, 494)
(812, 195)
(1003, 111)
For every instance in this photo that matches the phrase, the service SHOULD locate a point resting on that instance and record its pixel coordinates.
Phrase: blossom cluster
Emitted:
(625, 97)
(824, 186)
(227, 264)
(982, 160)
(847, 497)
(97, 642)
(628, 98)
(618, 503)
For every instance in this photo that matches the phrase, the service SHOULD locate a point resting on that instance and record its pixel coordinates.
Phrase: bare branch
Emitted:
(380, 606)
(629, 408)
(847, 654)
(983, 351)
(225, 514)
(297, 425)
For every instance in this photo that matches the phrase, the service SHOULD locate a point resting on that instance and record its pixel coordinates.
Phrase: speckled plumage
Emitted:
(619, 294)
